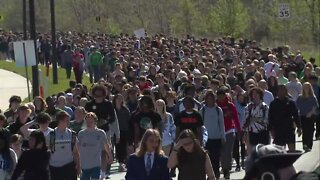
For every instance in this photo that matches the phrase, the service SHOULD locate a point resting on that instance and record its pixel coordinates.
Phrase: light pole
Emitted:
(24, 19)
(53, 43)
(35, 71)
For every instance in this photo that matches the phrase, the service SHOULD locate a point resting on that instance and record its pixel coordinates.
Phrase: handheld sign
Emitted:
(140, 33)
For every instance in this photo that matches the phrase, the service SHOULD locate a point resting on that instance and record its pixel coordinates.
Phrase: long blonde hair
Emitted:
(309, 92)
(142, 149)
(163, 110)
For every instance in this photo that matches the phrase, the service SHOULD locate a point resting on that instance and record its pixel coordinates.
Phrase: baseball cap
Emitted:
(269, 155)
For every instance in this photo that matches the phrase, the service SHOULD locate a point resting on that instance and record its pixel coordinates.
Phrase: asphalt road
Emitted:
(306, 162)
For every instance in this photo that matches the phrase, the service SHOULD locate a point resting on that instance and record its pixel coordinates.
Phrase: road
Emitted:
(306, 162)
(14, 84)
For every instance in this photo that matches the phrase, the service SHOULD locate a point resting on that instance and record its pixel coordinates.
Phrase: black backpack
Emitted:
(53, 140)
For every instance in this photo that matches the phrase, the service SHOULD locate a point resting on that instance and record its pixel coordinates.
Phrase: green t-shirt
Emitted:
(76, 126)
(96, 59)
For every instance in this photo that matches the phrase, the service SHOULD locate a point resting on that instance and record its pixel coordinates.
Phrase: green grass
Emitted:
(63, 82)
(308, 54)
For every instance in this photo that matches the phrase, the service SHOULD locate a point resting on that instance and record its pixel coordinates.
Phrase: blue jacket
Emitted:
(136, 168)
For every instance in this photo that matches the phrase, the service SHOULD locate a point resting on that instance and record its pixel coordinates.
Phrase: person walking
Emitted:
(189, 118)
(92, 141)
(232, 124)
(12, 114)
(8, 158)
(149, 161)
(168, 129)
(66, 58)
(106, 116)
(77, 124)
(146, 118)
(284, 119)
(96, 62)
(34, 163)
(192, 161)
(307, 104)
(214, 122)
(124, 116)
(23, 117)
(78, 65)
(65, 160)
(42, 120)
(239, 149)
(294, 86)
(256, 123)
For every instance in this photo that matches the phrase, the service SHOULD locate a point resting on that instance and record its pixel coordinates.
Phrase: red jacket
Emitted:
(231, 118)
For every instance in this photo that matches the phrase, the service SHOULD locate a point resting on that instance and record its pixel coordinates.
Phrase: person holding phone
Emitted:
(191, 159)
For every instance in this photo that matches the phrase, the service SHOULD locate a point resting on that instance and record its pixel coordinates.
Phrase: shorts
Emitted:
(284, 138)
(93, 173)
(263, 137)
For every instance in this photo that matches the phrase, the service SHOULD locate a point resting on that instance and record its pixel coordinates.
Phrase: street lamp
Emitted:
(53, 43)
(24, 19)
(35, 71)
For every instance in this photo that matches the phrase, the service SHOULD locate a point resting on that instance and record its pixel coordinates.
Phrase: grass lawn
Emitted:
(63, 82)
(308, 54)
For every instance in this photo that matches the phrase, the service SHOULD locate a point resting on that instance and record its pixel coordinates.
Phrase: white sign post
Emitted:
(24, 55)
(284, 14)
(283, 11)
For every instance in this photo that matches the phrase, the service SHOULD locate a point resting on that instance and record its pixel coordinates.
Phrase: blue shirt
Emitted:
(305, 105)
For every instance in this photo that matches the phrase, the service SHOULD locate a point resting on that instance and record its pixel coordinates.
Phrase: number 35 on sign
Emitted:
(284, 11)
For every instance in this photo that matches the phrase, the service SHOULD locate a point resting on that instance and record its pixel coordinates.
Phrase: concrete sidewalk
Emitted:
(12, 84)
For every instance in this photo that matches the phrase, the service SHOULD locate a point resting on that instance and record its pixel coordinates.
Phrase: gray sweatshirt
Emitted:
(213, 121)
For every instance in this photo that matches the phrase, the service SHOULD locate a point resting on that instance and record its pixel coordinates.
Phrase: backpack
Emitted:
(218, 113)
(53, 140)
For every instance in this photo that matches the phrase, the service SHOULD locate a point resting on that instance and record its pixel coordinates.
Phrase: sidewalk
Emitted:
(11, 84)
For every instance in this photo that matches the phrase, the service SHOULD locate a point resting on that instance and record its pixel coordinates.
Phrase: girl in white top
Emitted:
(8, 158)
(168, 129)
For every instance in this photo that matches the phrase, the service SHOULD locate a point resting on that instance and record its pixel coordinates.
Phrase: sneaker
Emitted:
(122, 168)
(173, 174)
(242, 164)
(217, 175)
(238, 168)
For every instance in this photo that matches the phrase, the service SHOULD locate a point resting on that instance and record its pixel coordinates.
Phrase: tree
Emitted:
(186, 20)
(228, 17)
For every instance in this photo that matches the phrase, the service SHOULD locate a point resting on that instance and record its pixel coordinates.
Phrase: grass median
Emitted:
(63, 82)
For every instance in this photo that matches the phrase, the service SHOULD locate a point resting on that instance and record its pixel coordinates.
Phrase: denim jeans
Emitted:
(88, 174)
(96, 73)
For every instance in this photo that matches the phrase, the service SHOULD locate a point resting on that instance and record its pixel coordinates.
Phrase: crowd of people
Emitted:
(158, 104)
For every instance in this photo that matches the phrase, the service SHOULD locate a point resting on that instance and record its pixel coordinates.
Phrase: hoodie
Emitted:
(231, 118)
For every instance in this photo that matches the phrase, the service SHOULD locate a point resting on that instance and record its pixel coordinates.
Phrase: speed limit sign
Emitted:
(284, 11)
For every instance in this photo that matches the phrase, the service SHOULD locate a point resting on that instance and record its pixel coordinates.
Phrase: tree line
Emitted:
(253, 19)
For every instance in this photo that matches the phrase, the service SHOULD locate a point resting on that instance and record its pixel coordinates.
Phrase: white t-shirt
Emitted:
(267, 97)
(294, 89)
(46, 134)
(271, 69)
(91, 144)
